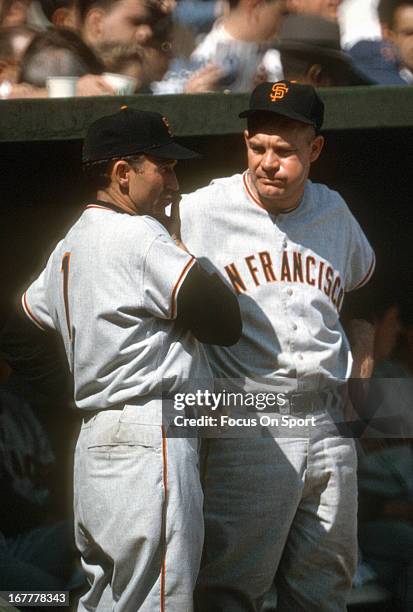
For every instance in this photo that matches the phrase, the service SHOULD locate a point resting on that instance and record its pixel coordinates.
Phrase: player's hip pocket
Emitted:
(109, 433)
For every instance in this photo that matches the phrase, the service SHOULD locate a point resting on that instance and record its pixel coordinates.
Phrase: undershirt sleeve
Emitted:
(208, 308)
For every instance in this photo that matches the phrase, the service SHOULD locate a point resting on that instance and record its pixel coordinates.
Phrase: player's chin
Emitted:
(273, 190)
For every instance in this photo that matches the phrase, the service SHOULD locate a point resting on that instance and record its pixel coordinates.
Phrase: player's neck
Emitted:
(110, 196)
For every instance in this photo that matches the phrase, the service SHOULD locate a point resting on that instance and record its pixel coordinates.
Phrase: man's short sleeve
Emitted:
(165, 269)
(35, 305)
(361, 260)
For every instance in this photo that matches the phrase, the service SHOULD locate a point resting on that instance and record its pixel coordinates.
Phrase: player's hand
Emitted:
(93, 85)
(174, 225)
(361, 337)
(173, 222)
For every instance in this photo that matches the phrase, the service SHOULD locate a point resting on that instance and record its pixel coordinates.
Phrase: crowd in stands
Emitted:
(196, 46)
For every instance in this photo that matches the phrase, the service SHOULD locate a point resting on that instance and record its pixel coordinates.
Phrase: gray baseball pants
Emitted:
(138, 513)
(283, 507)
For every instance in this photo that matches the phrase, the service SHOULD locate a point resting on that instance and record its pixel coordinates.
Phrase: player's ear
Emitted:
(246, 136)
(316, 147)
(120, 173)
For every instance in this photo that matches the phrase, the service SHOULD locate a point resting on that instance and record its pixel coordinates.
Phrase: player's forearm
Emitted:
(361, 337)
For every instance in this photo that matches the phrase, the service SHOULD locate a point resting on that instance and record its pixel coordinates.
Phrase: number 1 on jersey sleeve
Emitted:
(65, 270)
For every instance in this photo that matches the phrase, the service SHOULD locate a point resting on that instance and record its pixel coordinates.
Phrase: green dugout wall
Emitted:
(367, 157)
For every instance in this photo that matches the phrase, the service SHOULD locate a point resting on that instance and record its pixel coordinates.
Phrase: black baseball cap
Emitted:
(130, 132)
(293, 100)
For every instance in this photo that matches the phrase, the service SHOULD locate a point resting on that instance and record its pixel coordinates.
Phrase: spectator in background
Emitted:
(125, 59)
(14, 12)
(378, 60)
(119, 21)
(385, 61)
(61, 13)
(13, 43)
(238, 41)
(159, 50)
(310, 53)
(198, 15)
(328, 9)
(358, 20)
(57, 53)
(145, 23)
(396, 18)
(167, 68)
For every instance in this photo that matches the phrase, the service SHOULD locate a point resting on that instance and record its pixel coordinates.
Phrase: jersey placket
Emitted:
(286, 292)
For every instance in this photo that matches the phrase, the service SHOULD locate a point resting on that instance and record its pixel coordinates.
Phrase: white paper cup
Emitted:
(121, 84)
(61, 87)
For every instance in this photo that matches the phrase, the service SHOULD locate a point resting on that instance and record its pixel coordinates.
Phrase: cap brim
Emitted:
(172, 150)
(306, 47)
(280, 111)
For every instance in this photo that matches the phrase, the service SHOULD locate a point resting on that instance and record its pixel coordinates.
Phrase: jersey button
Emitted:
(289, 291)
(300, 357)
(285, 244)
(295, 327)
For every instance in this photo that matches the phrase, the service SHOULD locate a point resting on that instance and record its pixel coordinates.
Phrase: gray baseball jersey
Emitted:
(291, 272)
(110, 289)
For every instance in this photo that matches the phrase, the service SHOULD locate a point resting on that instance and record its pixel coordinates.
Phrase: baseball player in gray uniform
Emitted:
(129, 302)
(290, 249)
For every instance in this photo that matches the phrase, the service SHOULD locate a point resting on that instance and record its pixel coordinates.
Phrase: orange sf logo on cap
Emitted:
(168, 127)
(279, 90)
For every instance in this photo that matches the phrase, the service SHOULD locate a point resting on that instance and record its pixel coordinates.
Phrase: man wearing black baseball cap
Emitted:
(139, 143)
(131, 305)
(288, 99)
(281, 502)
